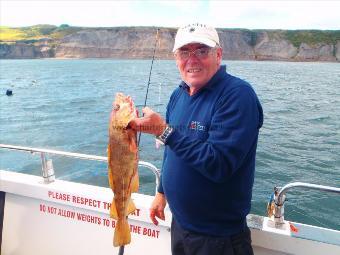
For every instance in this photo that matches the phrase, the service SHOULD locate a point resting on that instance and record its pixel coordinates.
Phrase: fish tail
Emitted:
(122, 234)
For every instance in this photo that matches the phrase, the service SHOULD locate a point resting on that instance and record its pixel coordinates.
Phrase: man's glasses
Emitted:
(200, 53)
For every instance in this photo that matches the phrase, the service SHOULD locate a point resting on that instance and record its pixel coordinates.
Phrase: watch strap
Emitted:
(162, 138)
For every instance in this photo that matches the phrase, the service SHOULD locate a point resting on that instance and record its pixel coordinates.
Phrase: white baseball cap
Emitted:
(196, 33)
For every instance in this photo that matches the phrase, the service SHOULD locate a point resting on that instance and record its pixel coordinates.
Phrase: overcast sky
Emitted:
(224, 14)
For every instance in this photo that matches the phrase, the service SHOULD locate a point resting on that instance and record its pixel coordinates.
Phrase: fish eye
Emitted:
(116, 107)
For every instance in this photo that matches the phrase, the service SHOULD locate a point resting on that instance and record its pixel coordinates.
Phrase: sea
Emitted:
(65, 105)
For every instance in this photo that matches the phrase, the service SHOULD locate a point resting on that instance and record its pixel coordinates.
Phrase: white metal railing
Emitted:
(47, 167)
(280, 197)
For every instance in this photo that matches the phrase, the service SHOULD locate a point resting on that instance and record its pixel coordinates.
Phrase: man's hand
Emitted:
(157, 208)
(151, 123)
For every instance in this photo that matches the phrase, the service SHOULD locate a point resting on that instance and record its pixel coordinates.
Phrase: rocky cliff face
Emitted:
(41, 49)
(267, 48)
(337, 51)
(116, 43)
(138, 43)
(318, 52)
(237, 44)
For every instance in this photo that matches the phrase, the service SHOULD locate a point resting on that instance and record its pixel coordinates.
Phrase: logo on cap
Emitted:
(196, 33)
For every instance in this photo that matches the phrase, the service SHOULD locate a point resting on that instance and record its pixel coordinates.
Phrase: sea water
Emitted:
(65, 105)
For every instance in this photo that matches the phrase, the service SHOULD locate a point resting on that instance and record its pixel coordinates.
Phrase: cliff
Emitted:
(138, 43)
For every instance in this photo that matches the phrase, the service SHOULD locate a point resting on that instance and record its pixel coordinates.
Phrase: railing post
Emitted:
(279, 209)
(47, 169)
(280, 198)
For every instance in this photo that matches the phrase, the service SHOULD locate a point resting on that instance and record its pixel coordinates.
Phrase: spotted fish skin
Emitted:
(122, 165)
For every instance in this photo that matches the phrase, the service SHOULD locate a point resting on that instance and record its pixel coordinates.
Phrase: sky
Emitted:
(254, 14)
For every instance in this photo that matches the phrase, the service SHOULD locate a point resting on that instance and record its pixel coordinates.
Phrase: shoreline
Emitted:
(169, 59)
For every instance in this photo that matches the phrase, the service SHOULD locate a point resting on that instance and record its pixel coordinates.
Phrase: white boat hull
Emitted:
(71, 218)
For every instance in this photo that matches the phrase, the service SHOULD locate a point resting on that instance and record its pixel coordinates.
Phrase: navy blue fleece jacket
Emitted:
(209, 159)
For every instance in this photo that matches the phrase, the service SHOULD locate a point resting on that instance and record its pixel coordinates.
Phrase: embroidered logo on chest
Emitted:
(196, 125)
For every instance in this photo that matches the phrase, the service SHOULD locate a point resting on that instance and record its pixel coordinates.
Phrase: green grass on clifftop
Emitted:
(312, 37)
(296, 37)
(8, 34)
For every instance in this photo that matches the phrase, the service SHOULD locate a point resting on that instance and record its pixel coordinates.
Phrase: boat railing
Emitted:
(280, 197)
(47, 165)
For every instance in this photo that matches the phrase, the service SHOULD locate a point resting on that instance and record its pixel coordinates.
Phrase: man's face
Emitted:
(198, 69)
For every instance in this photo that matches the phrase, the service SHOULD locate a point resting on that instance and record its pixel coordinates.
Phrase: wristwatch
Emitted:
(164, 136)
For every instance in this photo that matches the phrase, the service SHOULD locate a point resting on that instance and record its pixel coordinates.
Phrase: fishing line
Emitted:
(147, 88)
(121, 248)
(159, 95)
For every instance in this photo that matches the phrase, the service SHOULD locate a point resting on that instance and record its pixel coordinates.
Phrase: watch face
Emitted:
(159, 141)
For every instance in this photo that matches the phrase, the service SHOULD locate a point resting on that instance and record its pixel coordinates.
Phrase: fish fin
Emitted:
(133, 147)
(109, 168)
(108, 153)
(113, 210)
(131, 207)
(109, 173)
(135, 183)
(132, 140)
(122, 235)
(110, 178)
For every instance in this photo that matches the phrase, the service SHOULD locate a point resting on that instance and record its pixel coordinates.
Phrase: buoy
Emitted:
(9, 92)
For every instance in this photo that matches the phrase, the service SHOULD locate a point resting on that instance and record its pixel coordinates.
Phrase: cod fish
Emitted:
(122, 166)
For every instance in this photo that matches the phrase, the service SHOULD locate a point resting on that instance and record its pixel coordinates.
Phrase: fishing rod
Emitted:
(121, 248)
(147, 88)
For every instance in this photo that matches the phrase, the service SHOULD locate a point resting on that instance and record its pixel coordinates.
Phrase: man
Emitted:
(210, 135)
